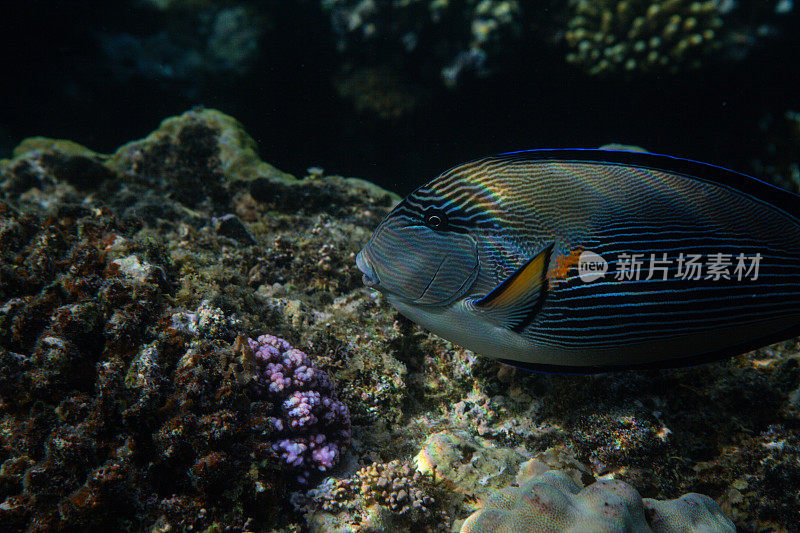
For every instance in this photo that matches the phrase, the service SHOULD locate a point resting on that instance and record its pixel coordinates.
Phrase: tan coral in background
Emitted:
(611, 36)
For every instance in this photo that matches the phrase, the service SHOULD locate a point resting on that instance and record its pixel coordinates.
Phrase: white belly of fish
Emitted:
(467, 328)
(464, 327)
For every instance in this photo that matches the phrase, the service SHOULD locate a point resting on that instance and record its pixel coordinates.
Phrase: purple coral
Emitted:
(312, 426)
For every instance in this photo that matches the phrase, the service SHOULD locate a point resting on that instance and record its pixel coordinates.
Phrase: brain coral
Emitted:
(553, 502)
(609, 36)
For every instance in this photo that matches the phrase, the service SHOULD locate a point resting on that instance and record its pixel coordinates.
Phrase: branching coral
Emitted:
(611, 36)
(312, 425)
(391, 496)
(396, 485)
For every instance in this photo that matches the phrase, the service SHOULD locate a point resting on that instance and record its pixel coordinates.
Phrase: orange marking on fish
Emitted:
(563, 263)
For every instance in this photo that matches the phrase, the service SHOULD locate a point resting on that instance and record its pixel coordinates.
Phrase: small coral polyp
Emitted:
(611, 36)
(313, 426)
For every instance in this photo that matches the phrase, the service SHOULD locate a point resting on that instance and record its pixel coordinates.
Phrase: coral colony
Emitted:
(314, 423)
(555, 502)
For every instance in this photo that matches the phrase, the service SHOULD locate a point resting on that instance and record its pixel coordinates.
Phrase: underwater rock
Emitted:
(759, 477)
(378, 91)
(120, 377)
(559, 457)
(470, 466)
(553, 501)
(203, 140)
(191, 45)
(626, 147)
(230, 226)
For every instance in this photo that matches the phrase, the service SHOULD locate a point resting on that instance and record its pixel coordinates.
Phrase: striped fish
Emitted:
(593, 260)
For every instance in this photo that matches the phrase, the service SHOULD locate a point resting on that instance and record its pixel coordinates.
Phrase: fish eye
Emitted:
(436, 220)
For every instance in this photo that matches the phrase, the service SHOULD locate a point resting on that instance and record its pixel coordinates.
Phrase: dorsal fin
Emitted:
(748, 185)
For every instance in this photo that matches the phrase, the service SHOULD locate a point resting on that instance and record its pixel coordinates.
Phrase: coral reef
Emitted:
(220, 40)
(553, 501)
(751, 24)
(129, 400)
(764, 464)
(394, 485)
(466, 464)
(614, 36)
(72, 289)
(455, 38)
(135, 393)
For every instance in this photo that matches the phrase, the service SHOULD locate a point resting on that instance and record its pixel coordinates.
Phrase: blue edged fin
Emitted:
(516, 300)
(750, 186)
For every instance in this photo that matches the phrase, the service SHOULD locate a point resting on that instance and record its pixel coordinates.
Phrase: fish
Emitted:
(593, 260)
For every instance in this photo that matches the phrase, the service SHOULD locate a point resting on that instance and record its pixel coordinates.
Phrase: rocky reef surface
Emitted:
(186, 345)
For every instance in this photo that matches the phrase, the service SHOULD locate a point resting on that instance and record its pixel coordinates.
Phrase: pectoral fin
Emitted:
(515, 301)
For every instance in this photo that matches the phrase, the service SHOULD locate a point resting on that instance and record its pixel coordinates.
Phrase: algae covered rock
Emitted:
(126, 400)
(468, 465)
(553, 501)
(204, 137)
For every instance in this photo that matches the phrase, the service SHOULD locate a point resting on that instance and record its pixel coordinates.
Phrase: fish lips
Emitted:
(370, 277)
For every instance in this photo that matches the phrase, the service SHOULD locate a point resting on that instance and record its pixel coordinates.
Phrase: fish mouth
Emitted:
(370, 278)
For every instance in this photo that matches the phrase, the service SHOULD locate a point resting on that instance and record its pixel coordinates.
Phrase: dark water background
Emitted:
(59, 83)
